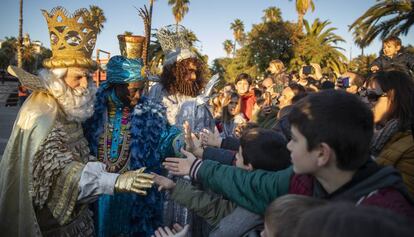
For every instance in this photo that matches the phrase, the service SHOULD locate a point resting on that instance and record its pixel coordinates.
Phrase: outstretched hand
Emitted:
(176, 231)
(163, 183)
(193, 144)
(180, 166)
(211, 139)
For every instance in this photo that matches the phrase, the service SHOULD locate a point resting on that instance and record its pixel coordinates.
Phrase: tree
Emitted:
(359, 39)
(180, 8)
(20, 38)
(386, 18)
(97, 16)
(268, 41)
(361, 64)
(228, 47)
(272, 14)
(238, 32)
(302, 6)
(8, 52)
(318, 45)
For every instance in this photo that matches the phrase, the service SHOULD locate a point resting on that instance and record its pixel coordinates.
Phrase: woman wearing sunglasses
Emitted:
(391, 95)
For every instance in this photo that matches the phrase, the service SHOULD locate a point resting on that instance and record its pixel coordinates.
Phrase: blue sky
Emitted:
(209, 19)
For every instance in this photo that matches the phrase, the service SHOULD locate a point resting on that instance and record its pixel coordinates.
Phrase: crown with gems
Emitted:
(174, 43)
(72, 38)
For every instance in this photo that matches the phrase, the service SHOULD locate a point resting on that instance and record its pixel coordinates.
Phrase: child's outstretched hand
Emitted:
(176, 231)
(163, 183)
(180, 166)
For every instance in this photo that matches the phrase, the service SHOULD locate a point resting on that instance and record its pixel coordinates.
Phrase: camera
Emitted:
(307, 70)
(343, 82)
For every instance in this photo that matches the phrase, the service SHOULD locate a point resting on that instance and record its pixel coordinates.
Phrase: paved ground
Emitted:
(7, 117)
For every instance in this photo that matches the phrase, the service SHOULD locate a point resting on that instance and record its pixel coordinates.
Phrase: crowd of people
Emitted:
(296, 154)
(311, 141)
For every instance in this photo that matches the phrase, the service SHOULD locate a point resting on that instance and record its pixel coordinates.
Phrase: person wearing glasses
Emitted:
(391, 95)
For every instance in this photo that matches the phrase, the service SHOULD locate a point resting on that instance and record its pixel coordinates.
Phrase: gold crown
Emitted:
(72, 38)
(131, 45)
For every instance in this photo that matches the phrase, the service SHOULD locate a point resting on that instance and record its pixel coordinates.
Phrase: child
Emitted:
(259, 149)
(393, 56)
(283, 214)
(346, 219)
(331, 133)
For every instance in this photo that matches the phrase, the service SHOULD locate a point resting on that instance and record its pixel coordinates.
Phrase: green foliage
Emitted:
(318, 45)
(8, 52)
(180, 8)
(238, 31)
(272, 14)
(97, 16)
(268, 41)
(386, 18)
(361, 64)
(32, 61)
(228, 47)
(409, 49)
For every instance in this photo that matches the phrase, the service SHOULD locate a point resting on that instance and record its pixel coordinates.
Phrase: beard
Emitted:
(189, 87)
(77, 103)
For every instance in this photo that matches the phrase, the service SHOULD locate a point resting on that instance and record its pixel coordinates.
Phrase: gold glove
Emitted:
(134, 181)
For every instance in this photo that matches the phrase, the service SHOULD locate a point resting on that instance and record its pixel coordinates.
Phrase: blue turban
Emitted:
(120, 70)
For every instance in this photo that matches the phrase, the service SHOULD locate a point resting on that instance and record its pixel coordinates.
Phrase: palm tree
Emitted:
(359, 39)
(319, 45)
(272, 14)
(302, 6)
(398, 14)
(20, 38)
(228, 47)
(97, 16)
(238, 32)
(180, 8)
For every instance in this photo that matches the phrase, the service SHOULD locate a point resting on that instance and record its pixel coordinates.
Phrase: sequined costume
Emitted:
(182, 106)
(127, 138)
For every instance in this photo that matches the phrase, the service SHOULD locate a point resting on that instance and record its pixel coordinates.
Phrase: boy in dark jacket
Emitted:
(331, 133)
(393, 56)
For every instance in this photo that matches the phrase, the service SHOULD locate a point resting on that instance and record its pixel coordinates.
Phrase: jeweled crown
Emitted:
(175, 43)
(72, 38)
(173, 37)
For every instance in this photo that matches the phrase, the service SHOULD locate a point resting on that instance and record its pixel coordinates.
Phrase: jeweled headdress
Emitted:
(72, 38)
(131, 45)
(174, 43)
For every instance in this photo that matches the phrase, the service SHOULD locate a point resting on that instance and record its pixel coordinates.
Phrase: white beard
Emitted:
(78, 103)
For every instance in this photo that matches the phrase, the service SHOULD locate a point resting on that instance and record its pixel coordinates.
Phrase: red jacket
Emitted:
(247, 103)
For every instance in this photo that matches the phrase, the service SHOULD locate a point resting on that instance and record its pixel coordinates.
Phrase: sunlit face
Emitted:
(268, 85)
(77, 77)
(285, 98)
(232, 105)
(390, 49)
(376, 99)
(242, 87)
(273, 68)
(135, 90)
(303, 161)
